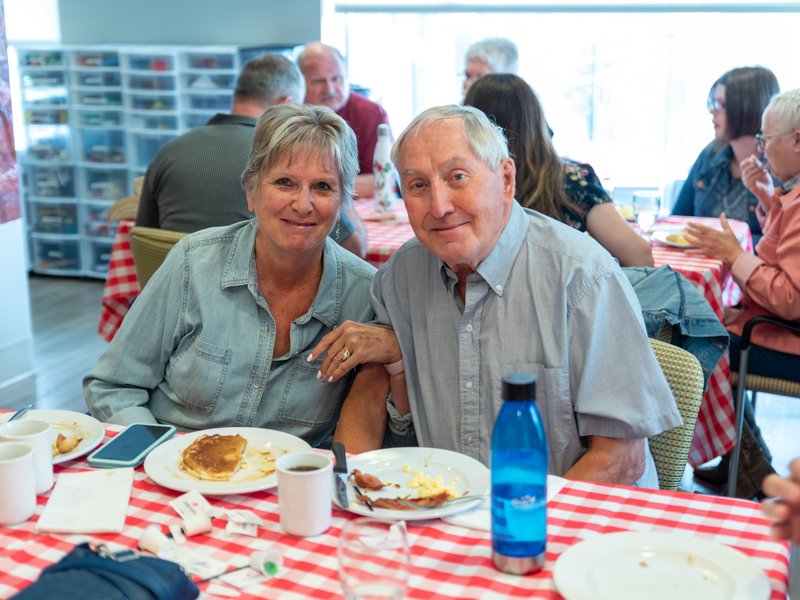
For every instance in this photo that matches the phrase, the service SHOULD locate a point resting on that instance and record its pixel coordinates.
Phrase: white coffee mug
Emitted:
(37, 435)
(305, 484)
(17, 482)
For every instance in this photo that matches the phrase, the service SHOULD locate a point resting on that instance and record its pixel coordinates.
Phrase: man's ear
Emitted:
(509, 171)
(250, 202)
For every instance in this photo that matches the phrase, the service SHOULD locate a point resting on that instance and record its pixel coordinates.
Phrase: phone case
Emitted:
(135, 461)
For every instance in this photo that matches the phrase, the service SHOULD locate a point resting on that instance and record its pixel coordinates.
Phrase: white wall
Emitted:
(196, 22)
(16, 338)
(31, 20)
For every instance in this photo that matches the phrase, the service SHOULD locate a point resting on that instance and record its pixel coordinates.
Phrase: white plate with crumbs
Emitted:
(428, 470)
(264, 447)
(657, 566)
(72, 425)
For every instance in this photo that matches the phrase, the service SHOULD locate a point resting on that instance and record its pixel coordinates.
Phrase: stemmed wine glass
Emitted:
(646, 206)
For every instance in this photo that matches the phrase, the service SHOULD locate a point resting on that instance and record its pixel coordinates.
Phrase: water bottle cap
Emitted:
(519, 386)
(383, 129)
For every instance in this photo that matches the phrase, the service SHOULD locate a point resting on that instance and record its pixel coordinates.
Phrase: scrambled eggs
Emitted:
(430, 486)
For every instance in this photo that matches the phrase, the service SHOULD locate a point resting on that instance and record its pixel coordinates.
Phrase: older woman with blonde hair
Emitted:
(221, 335)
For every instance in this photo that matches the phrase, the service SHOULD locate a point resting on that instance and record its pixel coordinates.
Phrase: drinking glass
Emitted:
(373, 559)
(646, 206)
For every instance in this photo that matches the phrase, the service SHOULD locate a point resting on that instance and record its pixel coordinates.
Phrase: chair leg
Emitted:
(733, 467)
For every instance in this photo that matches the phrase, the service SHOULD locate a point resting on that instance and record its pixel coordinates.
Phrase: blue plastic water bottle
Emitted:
(519, 480)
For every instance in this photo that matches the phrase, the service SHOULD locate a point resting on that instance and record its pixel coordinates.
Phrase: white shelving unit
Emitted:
(95, 116)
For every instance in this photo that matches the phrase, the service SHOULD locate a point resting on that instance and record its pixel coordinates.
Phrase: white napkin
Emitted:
(88, 502)
(480, 517)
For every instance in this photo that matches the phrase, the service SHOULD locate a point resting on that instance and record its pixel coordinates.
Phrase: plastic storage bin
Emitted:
(102, 146)
(98, 118)
(141, 101)
(94, 58)
(99, 78)
(208, 60)
(49, 143)
(46, 116)
(144, 147)
(60, 255)
(50, 181)
(41, 57)
(146, 61)
(153, 121)
(34, 79)
(151, 82)
(95, 222)
(103, 183)
(53, 217)
(208, 101)
(96, 256)
(98, 97)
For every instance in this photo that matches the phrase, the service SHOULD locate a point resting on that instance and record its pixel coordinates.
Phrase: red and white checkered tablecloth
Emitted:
(715, 432)
(447, 562)
(121, 286)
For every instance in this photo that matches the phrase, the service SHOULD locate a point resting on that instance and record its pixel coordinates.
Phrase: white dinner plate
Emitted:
(662, 236)
(462, 473)
(162, 465)
(657, 566)
(68, 423)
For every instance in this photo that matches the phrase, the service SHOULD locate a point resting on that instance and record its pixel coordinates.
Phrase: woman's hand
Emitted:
(363, 344)
(784, 506)
(719, 244)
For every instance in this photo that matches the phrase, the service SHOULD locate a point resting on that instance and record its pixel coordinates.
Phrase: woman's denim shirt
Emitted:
(196, 348)
(666, 296)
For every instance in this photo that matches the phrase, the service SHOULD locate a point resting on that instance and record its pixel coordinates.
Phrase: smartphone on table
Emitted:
(131, 445)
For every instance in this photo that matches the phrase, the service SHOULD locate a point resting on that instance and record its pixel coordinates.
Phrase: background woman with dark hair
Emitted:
(714, 185)
(557, 187)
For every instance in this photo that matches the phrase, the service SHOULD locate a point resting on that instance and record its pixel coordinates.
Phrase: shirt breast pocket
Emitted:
(553, 400)
(309, 401)
(197, 375)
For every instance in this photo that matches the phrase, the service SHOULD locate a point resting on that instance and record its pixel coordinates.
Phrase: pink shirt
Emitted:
(771, 280)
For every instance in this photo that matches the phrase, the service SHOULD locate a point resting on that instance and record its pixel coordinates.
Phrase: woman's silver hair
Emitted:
(785, 109)
(286, 131)
(486, 139)
(499, 53)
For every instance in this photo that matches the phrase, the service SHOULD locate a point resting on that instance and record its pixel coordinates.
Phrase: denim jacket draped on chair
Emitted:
(667, 297)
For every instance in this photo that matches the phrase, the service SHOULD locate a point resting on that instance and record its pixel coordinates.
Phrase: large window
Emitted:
(625, 91)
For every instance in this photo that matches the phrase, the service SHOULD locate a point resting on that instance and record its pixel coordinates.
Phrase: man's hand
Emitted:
(719, 244)
(784, 506)
(364, 344)
(610, 460)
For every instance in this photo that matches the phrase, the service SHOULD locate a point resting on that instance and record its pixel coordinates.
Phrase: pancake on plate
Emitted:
(214, 457)
(679, 237)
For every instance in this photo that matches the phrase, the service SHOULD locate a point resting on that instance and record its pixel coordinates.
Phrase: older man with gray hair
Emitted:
(492, 55)
(194, 181)
(488, 288)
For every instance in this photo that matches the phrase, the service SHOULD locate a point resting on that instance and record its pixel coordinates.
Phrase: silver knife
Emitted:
(340, 475)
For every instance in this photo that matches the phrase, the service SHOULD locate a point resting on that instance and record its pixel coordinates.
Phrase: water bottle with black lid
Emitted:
(519, 479)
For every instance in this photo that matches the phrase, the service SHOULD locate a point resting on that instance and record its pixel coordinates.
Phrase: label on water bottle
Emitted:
(383, 189)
